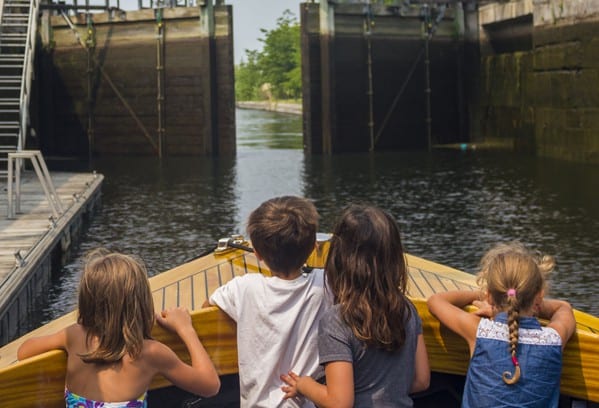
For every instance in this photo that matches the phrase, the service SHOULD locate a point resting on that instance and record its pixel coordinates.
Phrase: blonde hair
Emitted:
(514, 276)
(115, 305)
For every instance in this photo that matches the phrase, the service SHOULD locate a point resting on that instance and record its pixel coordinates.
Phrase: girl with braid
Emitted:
(515, 362)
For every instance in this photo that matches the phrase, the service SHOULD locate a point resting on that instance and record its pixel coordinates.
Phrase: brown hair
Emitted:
(115, 305)
(367, 274)
(283, 231)
(513, 277)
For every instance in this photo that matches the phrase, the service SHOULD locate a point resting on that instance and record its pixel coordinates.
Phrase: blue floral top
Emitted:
(539, 354)
(77, 401)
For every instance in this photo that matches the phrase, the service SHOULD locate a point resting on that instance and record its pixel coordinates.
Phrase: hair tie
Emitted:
(515, 361)
(511, 292)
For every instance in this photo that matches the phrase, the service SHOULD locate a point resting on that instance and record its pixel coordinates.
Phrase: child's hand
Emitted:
(290, 389)
(174, 318)
(484, 308)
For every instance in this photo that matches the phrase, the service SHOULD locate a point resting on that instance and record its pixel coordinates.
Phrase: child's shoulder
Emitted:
(75, 331)
(154, 351)
(246, 279)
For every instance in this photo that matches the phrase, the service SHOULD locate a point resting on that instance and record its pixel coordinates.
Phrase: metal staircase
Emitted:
(18, 28)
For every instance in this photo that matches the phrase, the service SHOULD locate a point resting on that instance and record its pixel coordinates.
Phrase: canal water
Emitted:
(451, 205)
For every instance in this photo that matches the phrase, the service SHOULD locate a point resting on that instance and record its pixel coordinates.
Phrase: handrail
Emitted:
(27, 73)
(15, 162)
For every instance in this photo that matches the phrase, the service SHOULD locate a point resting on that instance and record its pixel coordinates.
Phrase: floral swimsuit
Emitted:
(77, 401)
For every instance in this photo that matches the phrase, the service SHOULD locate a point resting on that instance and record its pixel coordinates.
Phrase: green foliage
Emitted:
(247, 75)
(278, 63)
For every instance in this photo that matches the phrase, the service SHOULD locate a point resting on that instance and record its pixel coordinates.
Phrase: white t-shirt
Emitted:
(277, 332)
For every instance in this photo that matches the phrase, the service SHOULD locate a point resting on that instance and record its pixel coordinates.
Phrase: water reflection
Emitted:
(451, 205)
(268, 130)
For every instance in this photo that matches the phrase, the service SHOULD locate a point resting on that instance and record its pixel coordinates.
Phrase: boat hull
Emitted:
(41, 378)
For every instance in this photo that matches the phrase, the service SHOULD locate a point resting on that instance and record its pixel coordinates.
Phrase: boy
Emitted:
(277, 317)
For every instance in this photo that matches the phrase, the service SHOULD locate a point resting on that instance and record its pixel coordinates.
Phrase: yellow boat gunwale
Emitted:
(41, 378)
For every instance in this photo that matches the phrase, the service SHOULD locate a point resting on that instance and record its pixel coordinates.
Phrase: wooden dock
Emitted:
(35, 243)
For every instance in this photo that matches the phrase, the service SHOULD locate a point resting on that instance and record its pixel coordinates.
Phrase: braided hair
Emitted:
(514, 276)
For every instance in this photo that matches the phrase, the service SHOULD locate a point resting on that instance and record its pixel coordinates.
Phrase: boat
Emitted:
(39, 380)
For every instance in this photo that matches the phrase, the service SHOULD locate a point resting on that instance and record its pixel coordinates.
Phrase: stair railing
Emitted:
(27, 74)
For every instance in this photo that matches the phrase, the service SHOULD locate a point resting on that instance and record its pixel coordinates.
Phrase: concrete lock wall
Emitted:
(364, 78)
(126, 92)
(540, 77)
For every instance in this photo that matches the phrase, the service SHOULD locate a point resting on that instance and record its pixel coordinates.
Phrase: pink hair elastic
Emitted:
(511, 292)
(515, 361)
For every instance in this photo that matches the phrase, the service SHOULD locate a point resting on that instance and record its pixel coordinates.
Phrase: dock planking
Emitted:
(36, 235)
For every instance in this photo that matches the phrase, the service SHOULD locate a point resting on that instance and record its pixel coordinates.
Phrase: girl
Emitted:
(370, 342)
(514, 361)
(110, 353)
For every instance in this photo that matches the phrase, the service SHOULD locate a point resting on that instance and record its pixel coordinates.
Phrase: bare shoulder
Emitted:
(155, 351)
(75, 330)
(152, 346)
(75, 333)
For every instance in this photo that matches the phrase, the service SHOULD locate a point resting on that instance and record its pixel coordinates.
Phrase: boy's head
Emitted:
(283, 232)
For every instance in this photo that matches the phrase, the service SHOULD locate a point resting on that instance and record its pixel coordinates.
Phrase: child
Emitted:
(277, 317)
(370, 342)
(110, 353)
(514, 361)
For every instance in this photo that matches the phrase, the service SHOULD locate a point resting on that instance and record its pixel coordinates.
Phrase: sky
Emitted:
(249, 16)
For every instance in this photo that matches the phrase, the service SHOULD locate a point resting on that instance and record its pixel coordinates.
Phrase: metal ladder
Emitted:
(18, 27)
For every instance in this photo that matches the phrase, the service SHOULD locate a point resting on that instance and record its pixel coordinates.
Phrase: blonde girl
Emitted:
(111, 357)
(515, 362)
(370, 342)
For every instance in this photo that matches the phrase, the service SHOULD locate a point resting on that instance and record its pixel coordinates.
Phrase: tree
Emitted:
(281, 55)
(247, 75)
(279, 62)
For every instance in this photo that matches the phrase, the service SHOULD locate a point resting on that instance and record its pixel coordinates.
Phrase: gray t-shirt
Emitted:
(381, 378)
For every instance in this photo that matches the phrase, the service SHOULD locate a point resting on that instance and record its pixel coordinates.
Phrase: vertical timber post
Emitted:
(327, 41)
(471, 67)
(90, 46)
(210, 145)
(368, 34)
(427, 62)
(160, 80)
(460, 25)
(45, 74)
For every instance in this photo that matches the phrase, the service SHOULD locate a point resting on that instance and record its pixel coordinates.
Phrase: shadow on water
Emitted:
(451, 205)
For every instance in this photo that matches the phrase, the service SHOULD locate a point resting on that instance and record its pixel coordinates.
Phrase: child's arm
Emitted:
(422, 372)
(201, 377)
(38, 345)
(561, 317)
(448, 307)
(338, 392)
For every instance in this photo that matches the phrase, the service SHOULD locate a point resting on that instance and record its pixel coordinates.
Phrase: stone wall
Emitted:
(545, 99)
(566, 79)
(365, 83)
(117, 80)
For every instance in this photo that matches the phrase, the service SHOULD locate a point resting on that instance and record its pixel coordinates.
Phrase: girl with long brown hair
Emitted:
(370, 342)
